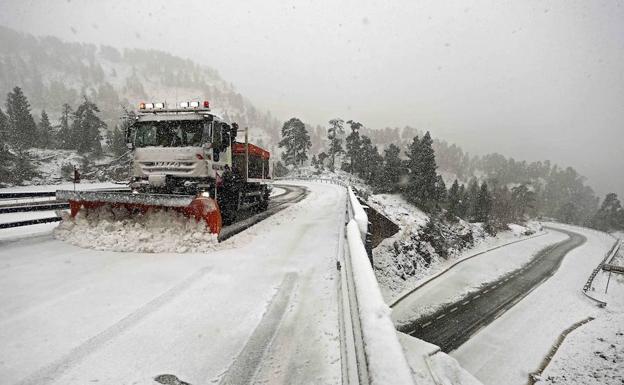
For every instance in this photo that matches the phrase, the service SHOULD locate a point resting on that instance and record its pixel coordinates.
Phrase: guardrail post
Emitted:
(368, 243)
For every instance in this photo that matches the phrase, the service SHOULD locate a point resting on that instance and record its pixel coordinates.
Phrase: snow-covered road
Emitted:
(511, 347)
(265, 297)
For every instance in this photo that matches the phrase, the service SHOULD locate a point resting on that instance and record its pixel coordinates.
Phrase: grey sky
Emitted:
(529, 79)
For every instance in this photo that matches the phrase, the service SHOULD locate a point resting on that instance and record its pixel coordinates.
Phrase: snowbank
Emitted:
(157, 231)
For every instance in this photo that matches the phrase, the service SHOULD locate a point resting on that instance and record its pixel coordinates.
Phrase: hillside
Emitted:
(52, 72)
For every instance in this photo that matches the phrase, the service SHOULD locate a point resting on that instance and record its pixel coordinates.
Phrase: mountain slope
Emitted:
(52, 72)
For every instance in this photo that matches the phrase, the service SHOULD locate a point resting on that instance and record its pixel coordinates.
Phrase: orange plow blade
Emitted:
(200, 208)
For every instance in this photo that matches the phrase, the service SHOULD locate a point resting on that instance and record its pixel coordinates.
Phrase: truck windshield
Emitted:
(179, 133)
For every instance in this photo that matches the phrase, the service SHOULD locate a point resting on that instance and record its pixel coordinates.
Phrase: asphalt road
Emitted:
(453, 324)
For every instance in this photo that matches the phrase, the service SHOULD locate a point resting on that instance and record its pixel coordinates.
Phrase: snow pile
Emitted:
(449, 372)
(157, 231)
(431, 366)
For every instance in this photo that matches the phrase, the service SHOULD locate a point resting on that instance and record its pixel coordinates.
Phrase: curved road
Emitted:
(453, 324)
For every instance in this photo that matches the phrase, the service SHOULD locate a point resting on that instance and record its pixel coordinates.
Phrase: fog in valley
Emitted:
(529, 79)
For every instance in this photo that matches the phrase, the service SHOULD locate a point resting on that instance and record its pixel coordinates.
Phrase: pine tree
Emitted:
(334, 133)
(23, 168)
(353, 144)
(422, 172)
(392, 169)
(296, 142)
(279, 169)
(441, 193)
(86, 128)
(22, 127)
(523, 201)
(411, 188)
(4, 129)
(610, 216)
(454, 201)
(483, 204)
(471, 197)
(116, 141)
(45, 131)
(321, 160)
(65, 139)
(462, 208)
(314, 161)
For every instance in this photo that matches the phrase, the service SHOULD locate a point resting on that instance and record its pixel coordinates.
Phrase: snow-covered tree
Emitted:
(44, 130)
(421, 189)
(353, 144)
(454, 202)
(392, 169)
(295, 141)
(483, 205)
(334, 135)
(64, 138)
(86, 128)
(441, 193)
(610, 216)
(21, 124)
(4, 129)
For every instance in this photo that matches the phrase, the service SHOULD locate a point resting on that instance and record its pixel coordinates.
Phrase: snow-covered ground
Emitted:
(394, 282)
(594, 353)
(511, 347)
(469, 276)
(70, 315)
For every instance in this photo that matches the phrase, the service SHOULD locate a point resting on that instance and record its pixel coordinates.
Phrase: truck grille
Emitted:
(174, 167)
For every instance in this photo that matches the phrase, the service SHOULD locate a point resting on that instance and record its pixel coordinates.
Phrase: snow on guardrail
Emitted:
(374, 345)
(384, 355)
(359, 215)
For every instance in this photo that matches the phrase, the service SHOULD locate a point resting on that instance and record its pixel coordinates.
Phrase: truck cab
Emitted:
(189, 150)
(182, 150)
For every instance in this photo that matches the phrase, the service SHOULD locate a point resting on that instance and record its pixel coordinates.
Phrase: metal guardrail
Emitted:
(29, 222)
(613, 268)
(39, 206)
(370, 348)
(590, 280)
(27, 194)
(612, 251)
(34, 207)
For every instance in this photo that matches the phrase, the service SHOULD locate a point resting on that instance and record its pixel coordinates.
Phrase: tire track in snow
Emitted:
(53, 371)
(246, 364)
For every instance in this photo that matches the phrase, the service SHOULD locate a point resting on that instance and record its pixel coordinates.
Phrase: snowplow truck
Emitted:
(186, 159)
